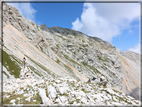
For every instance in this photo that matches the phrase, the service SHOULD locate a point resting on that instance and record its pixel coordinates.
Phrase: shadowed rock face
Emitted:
(60, 52)
(135, 93)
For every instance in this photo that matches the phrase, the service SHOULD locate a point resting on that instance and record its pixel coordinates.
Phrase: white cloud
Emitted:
(77, 24)
(106, 20)
(25, 9)
(136, 48)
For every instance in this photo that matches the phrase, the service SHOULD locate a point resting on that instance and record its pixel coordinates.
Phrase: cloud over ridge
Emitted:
(106, 20)
(136, 48)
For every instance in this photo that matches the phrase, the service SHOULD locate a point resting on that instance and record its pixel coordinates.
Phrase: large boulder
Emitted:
(52, 92)
(45, 99)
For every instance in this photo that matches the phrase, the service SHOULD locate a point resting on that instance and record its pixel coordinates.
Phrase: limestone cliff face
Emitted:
(54, 52)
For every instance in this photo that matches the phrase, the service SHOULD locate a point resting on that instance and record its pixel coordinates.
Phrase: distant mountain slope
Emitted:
(60, 52)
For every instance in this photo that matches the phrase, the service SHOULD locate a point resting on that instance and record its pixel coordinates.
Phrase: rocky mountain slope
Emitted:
(55, 53)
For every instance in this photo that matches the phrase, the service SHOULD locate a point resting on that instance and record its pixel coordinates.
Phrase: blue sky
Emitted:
(117, 23)
(57, 14)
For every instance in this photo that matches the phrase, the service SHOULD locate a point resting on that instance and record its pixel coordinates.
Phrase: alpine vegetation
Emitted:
(60, 66)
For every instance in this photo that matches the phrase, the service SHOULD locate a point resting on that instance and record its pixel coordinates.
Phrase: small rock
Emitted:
(63, 99)
(12, 101)
(28, 99)
(110, 91)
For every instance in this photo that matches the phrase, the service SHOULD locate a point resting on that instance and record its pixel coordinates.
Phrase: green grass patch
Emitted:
(41, 49)
(104, 60)
(22, 98)
(85, 45)
(83, 40)
(37, 98)
(11, 65)
(13, 96)
(61, 37)
(71, 102)
(71, 60)
(71, 72)
(103, 67)
(106, 65)
(67, 57)
(65, 94)
(91, 67)
(57, 46)
(73, 84)
(35, 71)
(58, 61)
(77, 100)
